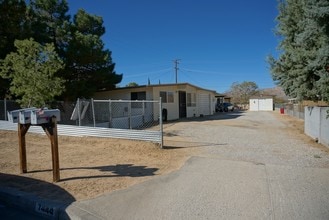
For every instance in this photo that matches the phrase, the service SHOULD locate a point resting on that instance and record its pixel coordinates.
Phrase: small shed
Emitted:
(261, 104)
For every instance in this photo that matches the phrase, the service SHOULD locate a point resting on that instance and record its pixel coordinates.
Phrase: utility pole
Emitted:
(176, 68)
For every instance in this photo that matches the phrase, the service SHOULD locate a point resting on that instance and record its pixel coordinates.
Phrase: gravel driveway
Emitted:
(249, 165)
(258, 137)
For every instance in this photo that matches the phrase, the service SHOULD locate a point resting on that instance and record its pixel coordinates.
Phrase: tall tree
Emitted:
(50, 23)
(317, 12)
(12, 20)
(32, 72)
(132, 84)
(89, 66)
(301, 68)
(241, 92)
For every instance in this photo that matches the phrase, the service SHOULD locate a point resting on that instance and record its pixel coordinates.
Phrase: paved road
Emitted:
(249, 167)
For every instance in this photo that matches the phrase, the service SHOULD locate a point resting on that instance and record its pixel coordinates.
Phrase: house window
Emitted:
(163, 96)
(167, 97)
(138, 96)
(191, 99)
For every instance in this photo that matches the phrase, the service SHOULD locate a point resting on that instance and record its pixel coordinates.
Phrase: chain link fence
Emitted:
(139, 119)
(123, 114)
(295, 110)
(7, 106)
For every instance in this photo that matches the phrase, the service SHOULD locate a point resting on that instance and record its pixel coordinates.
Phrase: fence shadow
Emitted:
(185, 144)
(214, 117)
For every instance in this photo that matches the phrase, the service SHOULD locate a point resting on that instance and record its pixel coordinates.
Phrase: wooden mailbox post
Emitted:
(47, 119)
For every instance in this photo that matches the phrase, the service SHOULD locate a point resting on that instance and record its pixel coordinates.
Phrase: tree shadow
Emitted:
(119, 170)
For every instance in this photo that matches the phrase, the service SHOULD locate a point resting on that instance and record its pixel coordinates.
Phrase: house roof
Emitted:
(262, 97)
(219, 95)
(163, 85)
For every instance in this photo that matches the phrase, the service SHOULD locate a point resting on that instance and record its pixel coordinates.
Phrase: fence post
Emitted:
(110, 113)
(93, 110)
(5, 105)
(143, 103)
(129, 114)
(79, 112)
(160, 122)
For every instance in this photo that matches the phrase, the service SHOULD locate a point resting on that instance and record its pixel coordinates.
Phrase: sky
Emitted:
(216, 42)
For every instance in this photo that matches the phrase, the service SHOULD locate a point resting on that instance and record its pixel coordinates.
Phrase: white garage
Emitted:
(261, 104)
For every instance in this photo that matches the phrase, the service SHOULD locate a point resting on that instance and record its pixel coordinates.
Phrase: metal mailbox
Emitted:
(24, 117)
(42, 116)
(13, 116)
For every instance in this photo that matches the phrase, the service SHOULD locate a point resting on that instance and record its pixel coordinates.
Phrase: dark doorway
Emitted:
(182, 104)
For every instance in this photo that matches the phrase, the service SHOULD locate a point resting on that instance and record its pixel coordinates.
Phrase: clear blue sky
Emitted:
(218, 42)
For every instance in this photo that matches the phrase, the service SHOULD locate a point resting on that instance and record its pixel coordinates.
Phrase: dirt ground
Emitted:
(296, 127)
(88, 166)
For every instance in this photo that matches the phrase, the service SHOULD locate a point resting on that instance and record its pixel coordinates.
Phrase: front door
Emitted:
(182, 104)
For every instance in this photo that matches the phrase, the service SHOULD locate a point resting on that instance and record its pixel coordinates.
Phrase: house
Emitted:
(181, 100)
(264, 103)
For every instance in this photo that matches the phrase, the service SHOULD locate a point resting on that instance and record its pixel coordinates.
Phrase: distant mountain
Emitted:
(277, 92)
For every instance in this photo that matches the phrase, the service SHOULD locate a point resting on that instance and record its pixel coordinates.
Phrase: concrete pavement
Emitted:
(211, 188)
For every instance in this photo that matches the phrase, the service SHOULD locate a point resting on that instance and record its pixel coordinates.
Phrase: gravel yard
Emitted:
(258, 137)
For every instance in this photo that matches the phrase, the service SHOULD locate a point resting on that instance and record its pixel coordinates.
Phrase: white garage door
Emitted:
(261, 105)
(204, 103)
(265, 104)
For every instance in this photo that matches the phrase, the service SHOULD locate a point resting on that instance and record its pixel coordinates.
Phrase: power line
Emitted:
(149, 73)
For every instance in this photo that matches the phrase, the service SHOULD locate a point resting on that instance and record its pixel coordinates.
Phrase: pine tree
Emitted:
(89, 66)
(50, 23)
(302, 67)
(318, 30)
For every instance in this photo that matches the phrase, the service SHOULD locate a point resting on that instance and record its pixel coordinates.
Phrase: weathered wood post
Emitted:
(51, 131)
(22, 130)
(47, 119)
(55, 155)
